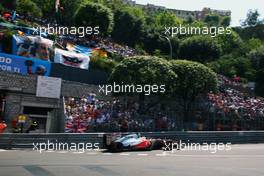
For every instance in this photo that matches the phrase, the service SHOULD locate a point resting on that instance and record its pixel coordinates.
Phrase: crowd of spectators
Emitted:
(90, 114)
(106, 44)
(230, 107)
(232, 102)
(234, 82)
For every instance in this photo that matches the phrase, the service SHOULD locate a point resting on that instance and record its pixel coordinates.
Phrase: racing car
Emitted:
(133, 142)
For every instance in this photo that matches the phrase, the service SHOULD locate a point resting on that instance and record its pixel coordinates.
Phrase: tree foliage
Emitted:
(47, 7)
(229, 66)
(128, 26)
(194, 79)
(166, 18)
(28, 7)
(144, 70)
(226, 21)
(252, 18)
(212, 19)
(257, 57)
(91, 14)
(199, 48)
(229, 42)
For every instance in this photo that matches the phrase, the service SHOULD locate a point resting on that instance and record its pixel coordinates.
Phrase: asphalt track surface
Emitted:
(241, 160)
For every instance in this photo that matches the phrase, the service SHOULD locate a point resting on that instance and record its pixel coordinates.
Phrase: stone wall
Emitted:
(27, 84)
(20, 91)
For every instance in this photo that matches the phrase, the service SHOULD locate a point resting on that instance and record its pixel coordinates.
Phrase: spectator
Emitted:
(3, 126)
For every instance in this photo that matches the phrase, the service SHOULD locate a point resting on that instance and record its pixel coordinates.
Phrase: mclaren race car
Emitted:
(133, 142)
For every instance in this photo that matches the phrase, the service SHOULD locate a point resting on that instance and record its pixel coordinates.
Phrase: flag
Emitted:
(79, 49)
(71, 59)
(57, 5)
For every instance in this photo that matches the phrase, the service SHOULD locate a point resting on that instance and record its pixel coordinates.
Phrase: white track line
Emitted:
(50, 151)
(142, 154)
(219, 156)
(77, 152)
(107, 153)
(125, 154)
(162, 154)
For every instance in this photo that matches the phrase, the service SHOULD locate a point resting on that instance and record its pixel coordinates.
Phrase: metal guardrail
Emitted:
(9, 141)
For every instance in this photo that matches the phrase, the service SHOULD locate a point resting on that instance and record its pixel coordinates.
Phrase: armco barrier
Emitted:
(9, 141)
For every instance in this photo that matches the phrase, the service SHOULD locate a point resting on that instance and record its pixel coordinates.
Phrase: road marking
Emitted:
(161, 154)
(102, 170)
(142, 154)
(125, 154)
(107, 153)
(77, 152)
(206, 156)
(62, 152)
(1, 150)
(50, 151)
(38, 171)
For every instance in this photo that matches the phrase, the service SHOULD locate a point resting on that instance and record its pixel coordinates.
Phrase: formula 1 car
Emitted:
(132, 142)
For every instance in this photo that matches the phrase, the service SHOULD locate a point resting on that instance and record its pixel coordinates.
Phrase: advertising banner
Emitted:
(32, 47)
(48, 87)
(23, 65)
(71, 59)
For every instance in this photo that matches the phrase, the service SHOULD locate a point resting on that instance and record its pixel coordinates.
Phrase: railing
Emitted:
(10, 141)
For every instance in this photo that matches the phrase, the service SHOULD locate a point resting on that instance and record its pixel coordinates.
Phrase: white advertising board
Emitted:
(48, 87)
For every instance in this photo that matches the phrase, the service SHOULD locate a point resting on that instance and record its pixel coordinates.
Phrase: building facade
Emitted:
(183, 14)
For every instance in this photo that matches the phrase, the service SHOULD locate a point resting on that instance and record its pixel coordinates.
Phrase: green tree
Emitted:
(257, 57)
(254, 43)
(199, 48)
(194, 80)
(144, 70)
(252, 18)
(115, 4)
(229, 66)
(68, 10)
(229, 42)
(212, 19)
(166, 18)
(91, 14)
(28, 7)
(2, 9)
(226, 21)
(47, 7)
(129, 24)
(153, 40)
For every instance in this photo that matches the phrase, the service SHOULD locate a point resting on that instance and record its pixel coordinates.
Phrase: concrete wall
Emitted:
(20, 91)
